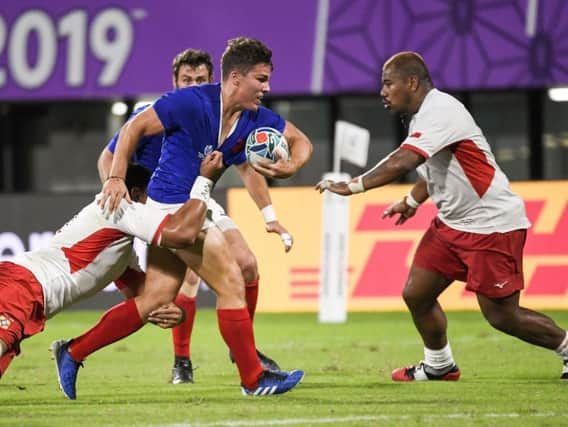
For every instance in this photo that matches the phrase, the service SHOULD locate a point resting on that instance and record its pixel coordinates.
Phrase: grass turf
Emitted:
(504, 381)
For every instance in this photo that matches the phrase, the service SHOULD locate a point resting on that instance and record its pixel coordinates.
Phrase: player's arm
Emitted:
(104, 163)
(114, 187)
(257, 188)
(392, 167)
(408, 205)
(300, 152)
(182, 228)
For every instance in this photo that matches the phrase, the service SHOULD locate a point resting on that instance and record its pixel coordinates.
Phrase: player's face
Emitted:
(254, 85)
(395, 91)
(190, 76)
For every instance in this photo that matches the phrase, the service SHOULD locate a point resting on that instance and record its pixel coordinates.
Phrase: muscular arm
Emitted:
(396, 165)
(114, 188)
(420, 191)
(145, 123)
(255, 184)
(392, 167)
(182, 228)
(104, 163)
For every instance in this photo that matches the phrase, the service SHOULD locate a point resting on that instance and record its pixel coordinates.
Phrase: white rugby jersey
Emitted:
(90, 251)
(464, 181)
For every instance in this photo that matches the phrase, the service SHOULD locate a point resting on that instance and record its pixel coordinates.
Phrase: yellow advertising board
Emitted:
(380, 253)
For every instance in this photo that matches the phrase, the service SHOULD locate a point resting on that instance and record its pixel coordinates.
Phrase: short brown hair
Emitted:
(242, 54)
(194, 58)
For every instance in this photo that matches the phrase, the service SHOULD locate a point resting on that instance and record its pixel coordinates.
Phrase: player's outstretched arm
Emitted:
(300, 152)
(114, 187)
(392, 167)
(258, 190)
(182, 228)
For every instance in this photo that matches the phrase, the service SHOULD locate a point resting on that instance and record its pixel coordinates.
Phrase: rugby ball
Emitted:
(263, 144)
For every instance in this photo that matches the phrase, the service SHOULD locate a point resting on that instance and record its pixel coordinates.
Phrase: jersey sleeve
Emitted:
(433, 132)
(177, 109)
(142, 221)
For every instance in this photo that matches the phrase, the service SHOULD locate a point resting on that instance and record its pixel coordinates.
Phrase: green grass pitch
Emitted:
(504, 382)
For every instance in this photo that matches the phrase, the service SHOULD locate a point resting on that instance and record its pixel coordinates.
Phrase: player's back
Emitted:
(89, 252)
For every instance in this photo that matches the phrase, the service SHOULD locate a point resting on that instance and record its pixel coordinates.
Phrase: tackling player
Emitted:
(479, 233)
(90, 251)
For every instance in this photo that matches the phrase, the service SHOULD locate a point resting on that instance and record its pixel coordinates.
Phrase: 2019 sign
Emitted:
(35, 41)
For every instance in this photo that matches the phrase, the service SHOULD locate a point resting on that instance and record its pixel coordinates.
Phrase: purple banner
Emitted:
(468, 44)
(87, 49)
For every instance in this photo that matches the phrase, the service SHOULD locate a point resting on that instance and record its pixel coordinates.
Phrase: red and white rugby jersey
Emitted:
(464, 181)
(90, 251)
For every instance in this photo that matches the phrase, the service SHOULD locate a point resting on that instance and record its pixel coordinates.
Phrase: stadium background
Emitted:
(66, 63)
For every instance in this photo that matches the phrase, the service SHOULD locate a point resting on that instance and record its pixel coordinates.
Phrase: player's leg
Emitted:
(505, 315)
(421, 294)
(424, 285)
(164, 275)
(248, 265)
(182, 371)
(214, 262)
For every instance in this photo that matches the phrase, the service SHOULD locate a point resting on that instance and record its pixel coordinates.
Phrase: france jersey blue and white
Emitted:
(191, 118)
(148, 149)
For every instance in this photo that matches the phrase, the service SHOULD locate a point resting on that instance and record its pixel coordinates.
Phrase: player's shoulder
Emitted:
(262, 115)
(440, 106)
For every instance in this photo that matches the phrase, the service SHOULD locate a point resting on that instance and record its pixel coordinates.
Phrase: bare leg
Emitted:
(507, 316)
(421, 297)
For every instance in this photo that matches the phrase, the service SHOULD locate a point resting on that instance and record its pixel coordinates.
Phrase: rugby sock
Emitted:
(5, 361)
(562, 349)
(251, 296)
(236, 329)
(181, 334)
(439, 360)
(118, 322)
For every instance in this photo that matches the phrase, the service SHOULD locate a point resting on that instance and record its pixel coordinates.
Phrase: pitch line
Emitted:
(354, 419)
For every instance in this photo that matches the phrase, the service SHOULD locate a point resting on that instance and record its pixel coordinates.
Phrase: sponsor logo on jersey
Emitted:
(208, 149)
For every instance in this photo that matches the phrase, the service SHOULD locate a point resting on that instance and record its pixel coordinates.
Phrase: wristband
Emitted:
(201, 189)
(411, 201)
(116, 177)
(356, 185)
(268, 214)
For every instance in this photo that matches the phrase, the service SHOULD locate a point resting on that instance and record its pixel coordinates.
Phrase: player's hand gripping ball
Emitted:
(263, 144)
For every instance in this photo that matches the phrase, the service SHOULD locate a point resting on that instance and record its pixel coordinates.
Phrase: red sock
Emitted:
(117, 323)
(251, 296)
(181, 334)
(236, 329)
(5, 361)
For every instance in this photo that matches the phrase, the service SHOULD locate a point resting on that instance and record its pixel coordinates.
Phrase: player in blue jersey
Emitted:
(196, 121)
(193, 67)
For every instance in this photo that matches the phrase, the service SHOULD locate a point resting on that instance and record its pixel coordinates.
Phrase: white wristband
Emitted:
(269, 214)
(356, 185)
(411, 201)
(201, 189)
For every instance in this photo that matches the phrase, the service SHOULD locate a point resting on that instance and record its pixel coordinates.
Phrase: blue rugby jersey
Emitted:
(190, 117)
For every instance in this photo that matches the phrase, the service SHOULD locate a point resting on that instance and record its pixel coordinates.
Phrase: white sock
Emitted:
(439, 359)
(562, 349)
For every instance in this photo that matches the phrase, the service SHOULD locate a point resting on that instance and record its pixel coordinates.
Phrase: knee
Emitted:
(413, 299)
(248, 265)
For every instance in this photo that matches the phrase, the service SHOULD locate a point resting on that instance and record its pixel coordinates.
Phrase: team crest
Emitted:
(5, 321)
(208, 149)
